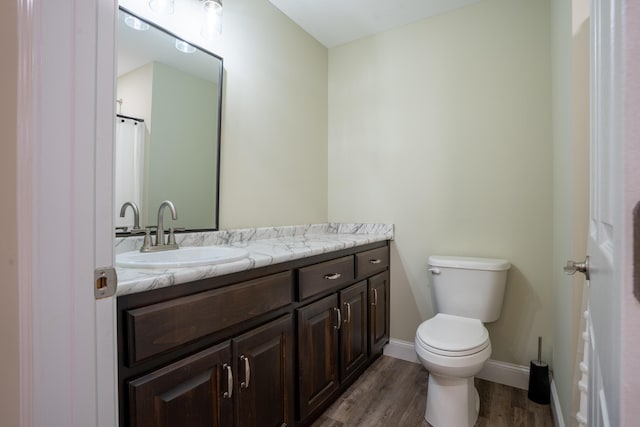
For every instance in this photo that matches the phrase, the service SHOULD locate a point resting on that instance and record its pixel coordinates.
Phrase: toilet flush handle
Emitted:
(434, 270)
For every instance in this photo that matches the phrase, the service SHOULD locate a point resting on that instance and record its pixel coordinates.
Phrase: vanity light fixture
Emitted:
(163, 7)
(211, 19)
(184, 47)
(136, 23)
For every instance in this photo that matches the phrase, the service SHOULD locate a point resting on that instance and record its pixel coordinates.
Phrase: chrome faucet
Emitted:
(136, 214)
(160, 240)
(161, 244)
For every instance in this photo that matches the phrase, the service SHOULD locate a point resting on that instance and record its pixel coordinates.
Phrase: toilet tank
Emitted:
(469, 287)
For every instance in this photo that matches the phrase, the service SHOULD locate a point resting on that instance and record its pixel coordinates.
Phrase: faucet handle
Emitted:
(146, 244)
(122, 229)
(172, 237)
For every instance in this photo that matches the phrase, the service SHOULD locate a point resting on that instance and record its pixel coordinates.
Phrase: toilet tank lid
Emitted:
(471, 263)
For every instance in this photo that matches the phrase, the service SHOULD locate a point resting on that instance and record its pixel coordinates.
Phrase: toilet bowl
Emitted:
(454, 345)
(453, 349)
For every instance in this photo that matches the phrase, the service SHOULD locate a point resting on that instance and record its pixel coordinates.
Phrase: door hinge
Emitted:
(105, 282)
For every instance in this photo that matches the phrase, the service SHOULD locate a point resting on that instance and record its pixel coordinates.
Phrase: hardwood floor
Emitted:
(393, 392)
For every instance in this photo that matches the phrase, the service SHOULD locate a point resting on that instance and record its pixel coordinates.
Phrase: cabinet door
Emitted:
(378, 312)
(317, 353)
(190, 392)
(264, 379)
(353, 333)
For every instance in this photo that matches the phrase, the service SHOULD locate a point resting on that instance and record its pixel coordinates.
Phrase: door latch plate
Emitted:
(105, 281)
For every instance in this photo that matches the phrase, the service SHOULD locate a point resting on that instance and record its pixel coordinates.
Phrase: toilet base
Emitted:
(451, 402)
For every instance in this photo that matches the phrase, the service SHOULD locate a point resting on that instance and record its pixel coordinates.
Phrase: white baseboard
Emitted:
(495, 371)
(505, 373)
(556, 409)
(403, 350)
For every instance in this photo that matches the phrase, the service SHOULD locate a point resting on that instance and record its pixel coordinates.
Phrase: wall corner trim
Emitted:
(495, 371)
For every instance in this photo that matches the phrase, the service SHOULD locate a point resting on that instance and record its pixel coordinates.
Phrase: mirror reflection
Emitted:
(167, 128)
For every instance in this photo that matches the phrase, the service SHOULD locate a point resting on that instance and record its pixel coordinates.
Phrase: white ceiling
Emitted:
(335, 22)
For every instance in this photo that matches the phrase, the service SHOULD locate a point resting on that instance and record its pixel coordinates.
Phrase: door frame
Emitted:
(65, 204)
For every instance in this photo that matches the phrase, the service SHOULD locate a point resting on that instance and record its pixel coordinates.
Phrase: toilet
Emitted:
(454, 345)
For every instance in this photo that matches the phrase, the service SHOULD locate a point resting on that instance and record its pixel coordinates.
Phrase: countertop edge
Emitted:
(262, 253)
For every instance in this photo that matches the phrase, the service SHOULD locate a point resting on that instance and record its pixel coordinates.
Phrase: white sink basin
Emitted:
(183, 257)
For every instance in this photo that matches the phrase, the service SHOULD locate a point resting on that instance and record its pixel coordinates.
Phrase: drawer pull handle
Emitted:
(247, 372)
(227, 394)
(348, 319)
(375, 297)
(339, 314)
(333, 276)
(375, 261)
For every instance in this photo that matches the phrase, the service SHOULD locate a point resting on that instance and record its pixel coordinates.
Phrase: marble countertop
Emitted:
(266, 246)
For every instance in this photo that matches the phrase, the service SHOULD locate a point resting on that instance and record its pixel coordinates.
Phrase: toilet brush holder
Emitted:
(539, 386)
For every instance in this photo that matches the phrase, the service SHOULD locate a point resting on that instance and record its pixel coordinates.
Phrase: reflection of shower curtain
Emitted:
(129, 166)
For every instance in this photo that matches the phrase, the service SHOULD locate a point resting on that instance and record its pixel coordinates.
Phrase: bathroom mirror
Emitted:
(169, 98)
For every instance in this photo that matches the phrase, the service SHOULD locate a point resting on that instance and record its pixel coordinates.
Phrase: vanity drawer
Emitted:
(373, 261)
(157, 328)
(324, 276)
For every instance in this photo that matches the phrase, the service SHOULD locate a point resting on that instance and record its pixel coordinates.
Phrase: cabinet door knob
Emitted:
(247, 372)
(339, 314)
(375, 261)
(333, 276)
(375, 297)
(227, 394)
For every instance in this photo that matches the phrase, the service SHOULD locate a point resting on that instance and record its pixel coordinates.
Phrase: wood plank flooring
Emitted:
(393, 392)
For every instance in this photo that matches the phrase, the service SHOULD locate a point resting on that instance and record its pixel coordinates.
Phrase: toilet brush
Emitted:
(539, 387)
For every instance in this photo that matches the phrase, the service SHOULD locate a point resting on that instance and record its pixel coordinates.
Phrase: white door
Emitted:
(612, 307)
(66, 112)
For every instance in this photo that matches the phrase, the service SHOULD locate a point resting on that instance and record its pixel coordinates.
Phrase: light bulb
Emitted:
(184, 47)
(136, 23)
(211, 19)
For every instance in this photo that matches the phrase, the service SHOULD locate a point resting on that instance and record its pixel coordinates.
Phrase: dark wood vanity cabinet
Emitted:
(272, 346)
(341, 333)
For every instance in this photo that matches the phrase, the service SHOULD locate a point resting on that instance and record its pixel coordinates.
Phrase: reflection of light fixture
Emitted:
(164, 7)
(185, 47)
(211, 19)
(136, 23)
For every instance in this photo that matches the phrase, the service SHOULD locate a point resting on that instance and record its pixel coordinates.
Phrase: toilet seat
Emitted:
(453, 336)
